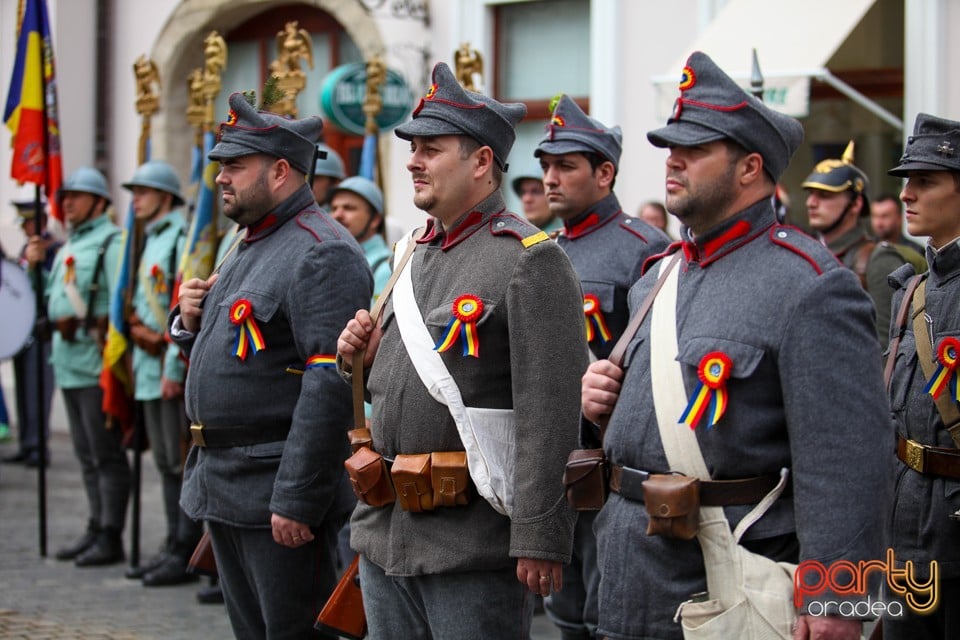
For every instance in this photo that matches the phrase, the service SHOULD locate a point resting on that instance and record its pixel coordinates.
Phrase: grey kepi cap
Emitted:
(712, 107)
(450, 110)
(934, 146)
(571, 130)
(247, 131)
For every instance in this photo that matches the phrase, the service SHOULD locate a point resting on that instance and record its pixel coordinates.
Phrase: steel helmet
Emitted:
(331, 166)
(85, 180)
(532, 172)
(158, 175)
(365, 188)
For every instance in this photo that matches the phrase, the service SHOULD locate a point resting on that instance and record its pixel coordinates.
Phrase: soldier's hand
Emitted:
(826, 628)
(359, 334)
(170, 389)
(540, 576)
(600, 388)
(35, 251)
(289, 533)
(192, 293)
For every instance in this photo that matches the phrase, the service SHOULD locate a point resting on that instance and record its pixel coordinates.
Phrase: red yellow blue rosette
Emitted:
(946, 374)
(70, 273)
(159, 279)
(467, 309)
(248, 333)
(714, 369)
(323, 360)
(593, 316)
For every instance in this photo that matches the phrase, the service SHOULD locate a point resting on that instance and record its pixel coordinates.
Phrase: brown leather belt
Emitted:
(929, 460)
(713, 493)
(237, 436)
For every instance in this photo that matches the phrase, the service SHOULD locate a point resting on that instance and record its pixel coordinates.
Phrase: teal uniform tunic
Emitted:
(77, 364)
(378, 256)
(151, 302)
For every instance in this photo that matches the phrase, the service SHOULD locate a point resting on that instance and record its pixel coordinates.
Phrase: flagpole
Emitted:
(147, 103)
(39, 226)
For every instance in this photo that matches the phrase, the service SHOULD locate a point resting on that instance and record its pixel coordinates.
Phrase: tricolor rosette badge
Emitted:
(711, 391)
(467, 309)
(159, 279)
(248, 333)
(593, 316)
(70, 272)
(946, 374)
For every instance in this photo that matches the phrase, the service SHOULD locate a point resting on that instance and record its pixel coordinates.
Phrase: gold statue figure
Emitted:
(147, 76)
(293, 45)
(468, 65)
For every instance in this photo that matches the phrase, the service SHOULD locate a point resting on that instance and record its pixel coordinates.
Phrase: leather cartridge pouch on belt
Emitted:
(153, 342)
(586, 479)
(424, 481)
(673, 505)
(370, 478)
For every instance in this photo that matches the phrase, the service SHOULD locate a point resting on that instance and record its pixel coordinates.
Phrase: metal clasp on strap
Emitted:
(196, 432)
(913, 455)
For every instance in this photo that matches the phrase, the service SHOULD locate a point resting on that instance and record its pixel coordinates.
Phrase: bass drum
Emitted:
(18, 308)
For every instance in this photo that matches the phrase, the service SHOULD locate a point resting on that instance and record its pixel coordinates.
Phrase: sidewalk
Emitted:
(43, 598)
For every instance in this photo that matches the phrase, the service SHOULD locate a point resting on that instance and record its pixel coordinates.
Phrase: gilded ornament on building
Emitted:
(468, 64)
(293, 45)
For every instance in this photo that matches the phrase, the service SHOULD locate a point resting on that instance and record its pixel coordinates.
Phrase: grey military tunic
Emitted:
(805, 393)
(608, 249)
(532, 353)
(305, 277)
(920, 527)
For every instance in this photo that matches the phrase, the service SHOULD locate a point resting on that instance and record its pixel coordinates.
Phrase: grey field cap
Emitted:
(247, 131)
(571, 130)
(449, 109)
(712, 107)
(934, 146)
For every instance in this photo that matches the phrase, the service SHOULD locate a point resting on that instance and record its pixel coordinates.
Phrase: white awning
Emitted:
(794, 39)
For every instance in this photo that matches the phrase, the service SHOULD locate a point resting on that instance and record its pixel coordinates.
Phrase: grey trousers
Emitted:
(103, 463)
(472, 605)
(271, 591)
(167, 427)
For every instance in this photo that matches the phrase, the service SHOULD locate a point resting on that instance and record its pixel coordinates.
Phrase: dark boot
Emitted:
(108, 549)
(172, 571)
(211, 594)
(82, 544)
(136, 573)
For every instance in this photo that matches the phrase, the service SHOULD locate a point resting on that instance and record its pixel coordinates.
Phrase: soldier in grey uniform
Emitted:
(805, 379)
(269, 413)
(924, 526)
(580, 158)
(470, 571)
(836, 201)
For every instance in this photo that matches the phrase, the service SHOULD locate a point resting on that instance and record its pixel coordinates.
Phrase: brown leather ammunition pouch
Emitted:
(67, 327)
(449, 478)
(673, 505)
(359, 438)
(370, 478)
(412, 481)
(586, 479)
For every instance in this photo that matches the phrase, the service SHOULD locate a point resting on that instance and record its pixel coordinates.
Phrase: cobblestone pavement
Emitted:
(43, 598)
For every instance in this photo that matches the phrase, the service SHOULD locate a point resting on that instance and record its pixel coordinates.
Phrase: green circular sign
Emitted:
(341, 98)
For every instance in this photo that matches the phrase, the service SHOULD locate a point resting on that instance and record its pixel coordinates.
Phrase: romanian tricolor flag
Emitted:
(31, 110)
(115, 378)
